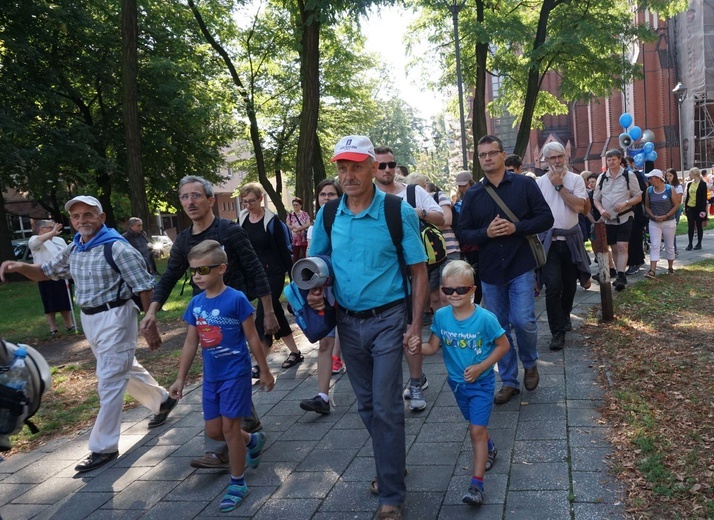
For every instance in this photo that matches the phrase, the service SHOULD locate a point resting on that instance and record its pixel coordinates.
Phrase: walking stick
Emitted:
(71, 306)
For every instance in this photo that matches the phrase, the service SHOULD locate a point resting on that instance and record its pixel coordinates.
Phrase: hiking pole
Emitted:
(71, 306)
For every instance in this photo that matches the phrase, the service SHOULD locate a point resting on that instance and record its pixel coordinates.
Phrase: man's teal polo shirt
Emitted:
(364, 258)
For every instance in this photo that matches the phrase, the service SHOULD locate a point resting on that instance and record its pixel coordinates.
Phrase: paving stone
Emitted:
(585, 391)
(49, 492)
(361, 469)
(539, 431)
(431, 478)
(446, 414)
(537, 505)
(293, 508)
(308, 484)
(270, 398)
(176, 436)
(9, 491)
(305, 432)
(545, 413)
(433, 453)
(146, 456)
(174, 511)
(114, 479)
(338, 515)
(289, 451)
(349, 496)
(501, 418)
(171, 468)
(589, 459)
(199, 487)
(21, 511)
(269, 474)
(531, 452)
(78, 505)
(421, 505)
(545, 394)
(350, 421)
(539, 477)
(140, 495)
(595, 487)
(432, 432)
(106, 514)
(338, 439)
(588, 437)
(36, 473)
(466, 512)
(599, 512)
(75, 450)
(279, 423)
(327, 460)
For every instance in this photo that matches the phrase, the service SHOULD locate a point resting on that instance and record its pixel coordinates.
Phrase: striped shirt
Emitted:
(96, 283)
(661, 203)
(452, 245)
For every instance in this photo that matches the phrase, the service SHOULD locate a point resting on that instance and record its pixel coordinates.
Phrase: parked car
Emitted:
(160, 245)
(22, 250)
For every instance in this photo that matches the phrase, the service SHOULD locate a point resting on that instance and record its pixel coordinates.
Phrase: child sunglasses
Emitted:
(448, 291)
(202, 270)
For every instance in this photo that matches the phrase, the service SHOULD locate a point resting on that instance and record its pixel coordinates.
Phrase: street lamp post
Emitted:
(455, 7)
(680, 92)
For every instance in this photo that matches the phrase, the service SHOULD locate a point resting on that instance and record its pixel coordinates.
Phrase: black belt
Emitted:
(103, 307)
(371, 313)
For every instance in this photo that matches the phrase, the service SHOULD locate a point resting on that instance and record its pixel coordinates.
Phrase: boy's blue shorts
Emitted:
(230, 398)
(475, 399)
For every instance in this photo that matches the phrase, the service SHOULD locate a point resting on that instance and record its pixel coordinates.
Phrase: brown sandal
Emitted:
(293, 359)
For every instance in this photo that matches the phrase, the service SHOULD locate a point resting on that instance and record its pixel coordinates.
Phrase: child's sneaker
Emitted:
(473, 497)
(233, 497)
(252, 455)
(337, 365)
(491, 458)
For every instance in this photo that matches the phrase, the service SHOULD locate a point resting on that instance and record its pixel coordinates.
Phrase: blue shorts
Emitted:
(475, 399)
(230, 398)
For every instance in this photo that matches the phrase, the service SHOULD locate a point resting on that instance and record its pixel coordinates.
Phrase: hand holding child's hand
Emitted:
(414, 345)
(267, 381)
(176, 390)
(472, 372)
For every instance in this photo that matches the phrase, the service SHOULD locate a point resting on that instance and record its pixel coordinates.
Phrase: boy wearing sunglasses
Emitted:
(473, 341)
(221, 319)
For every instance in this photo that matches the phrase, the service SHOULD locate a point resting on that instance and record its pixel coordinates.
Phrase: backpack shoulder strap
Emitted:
(110, 260)
(328, 216)
(411, 195)
(393, 216)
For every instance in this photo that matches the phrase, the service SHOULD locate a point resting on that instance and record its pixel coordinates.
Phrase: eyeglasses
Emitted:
(251, 201)
(556, 157)
(202, 270)
(383, 165)
(448, 291)
(193, 196)
(492, 153)
(327, 194)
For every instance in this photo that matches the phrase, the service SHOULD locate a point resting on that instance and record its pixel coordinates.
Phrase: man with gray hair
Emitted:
(565, 193)
(137, 237)
(615, 195)
(245, 273)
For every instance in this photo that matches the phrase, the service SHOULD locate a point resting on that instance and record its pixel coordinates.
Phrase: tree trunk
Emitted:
(479, 112)
(310, 82)
(6, 250)
(130, 110)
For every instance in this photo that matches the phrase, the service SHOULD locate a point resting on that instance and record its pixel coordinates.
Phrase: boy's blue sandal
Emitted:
(252, 455)
(233, 498)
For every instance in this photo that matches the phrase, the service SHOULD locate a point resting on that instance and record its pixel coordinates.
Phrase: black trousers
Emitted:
(560, 276)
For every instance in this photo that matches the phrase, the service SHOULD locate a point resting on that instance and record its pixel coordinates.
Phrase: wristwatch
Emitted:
(423, 213)
(559, 187)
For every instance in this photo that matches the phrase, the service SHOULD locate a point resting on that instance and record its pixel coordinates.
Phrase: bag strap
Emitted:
(411, 195)
(501, 204)
(110, 260)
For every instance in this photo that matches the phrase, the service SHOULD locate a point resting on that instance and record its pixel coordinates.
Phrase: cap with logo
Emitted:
(463, 178)
(353, 148)
(86, 199)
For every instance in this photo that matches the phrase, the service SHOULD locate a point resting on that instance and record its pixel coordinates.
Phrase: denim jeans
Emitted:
(372, 349)
(560, 276)
(513, 304)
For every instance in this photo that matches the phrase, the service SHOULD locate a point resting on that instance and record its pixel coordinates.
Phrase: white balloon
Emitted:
(648, 136)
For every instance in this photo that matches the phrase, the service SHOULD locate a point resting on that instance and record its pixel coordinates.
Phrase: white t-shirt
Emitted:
(422, 198)
(45, 251)
(564, 217)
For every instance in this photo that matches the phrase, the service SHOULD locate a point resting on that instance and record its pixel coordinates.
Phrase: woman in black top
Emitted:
(271, 240)
(695, 206)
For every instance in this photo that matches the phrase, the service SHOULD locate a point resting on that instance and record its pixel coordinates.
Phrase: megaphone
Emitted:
(625, 140)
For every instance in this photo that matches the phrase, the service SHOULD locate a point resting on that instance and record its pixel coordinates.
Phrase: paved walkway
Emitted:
(551, 462)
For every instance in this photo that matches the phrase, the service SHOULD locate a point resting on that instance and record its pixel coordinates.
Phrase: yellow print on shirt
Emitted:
(463, 341)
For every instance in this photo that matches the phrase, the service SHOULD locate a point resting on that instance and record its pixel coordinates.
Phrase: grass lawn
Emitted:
(660, 402)
(24, 320)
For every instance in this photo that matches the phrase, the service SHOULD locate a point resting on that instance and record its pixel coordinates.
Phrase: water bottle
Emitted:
(17, 376)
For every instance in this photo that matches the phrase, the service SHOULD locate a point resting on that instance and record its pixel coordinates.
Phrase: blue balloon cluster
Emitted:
(628, 137)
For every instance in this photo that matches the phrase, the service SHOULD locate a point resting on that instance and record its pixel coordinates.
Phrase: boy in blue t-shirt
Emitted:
(473, 342)
(221, 319)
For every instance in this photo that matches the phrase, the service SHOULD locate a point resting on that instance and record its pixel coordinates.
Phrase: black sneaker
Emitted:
(633, 269)
(164, 411)
(557, 342)
(613, 272)
(697, 247)
(473, 497)
(316, 404)
(94, 461)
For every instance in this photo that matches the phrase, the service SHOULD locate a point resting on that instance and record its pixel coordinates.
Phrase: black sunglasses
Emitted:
(448, 291)
(383, 165)
(202, 270)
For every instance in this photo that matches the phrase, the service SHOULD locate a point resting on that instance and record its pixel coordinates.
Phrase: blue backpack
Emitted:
(314, 324)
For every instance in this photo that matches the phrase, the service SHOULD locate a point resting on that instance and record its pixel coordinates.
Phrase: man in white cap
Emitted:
(372, 311)
(109, 320)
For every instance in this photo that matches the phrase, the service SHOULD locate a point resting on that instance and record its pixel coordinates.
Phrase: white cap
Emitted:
(86, 199)
(655, 173)
(353, 148)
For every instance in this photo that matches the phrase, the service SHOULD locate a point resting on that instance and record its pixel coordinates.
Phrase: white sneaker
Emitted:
(424, 385)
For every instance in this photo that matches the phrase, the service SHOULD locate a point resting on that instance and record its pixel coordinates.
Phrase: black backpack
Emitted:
(432, 239)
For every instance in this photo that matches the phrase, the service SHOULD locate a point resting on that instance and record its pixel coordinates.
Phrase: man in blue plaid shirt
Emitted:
(109, 320)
